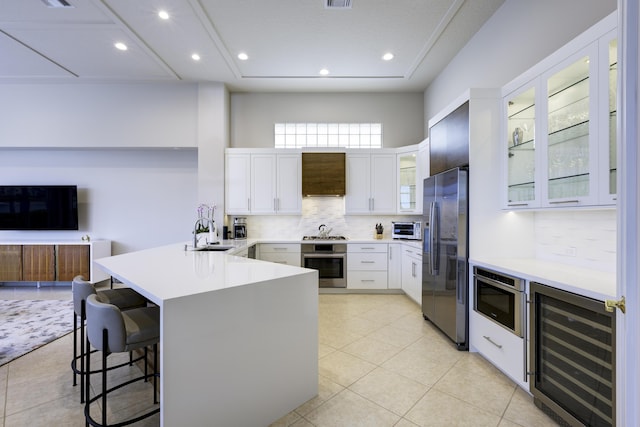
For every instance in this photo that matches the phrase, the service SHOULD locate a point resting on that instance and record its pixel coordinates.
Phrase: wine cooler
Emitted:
(572, 357)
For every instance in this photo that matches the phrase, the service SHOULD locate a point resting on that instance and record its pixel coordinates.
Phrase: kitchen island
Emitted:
(238, 337)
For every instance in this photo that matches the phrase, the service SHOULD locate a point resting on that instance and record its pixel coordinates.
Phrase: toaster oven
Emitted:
(411, 230)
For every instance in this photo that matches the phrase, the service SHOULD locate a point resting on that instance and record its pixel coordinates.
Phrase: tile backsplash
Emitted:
(317, 211)
(580, 237)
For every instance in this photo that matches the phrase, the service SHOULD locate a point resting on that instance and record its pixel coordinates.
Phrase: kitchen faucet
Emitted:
(200, 221)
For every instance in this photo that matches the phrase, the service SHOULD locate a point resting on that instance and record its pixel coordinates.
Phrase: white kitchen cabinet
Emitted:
(238, 184)
(412, 273)
(276, 184)
(559, 130)
(371, 183)
(394, 270)
(263, 183)
(502, 348)
(367, 266)
(409, 181)
(281, 253)
(608, 132)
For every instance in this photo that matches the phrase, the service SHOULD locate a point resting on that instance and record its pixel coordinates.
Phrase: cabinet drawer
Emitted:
(367, 280)
(412, 252)
(366, 247)
(281, 258)
(362, 261)
(280, 247)
(502, 348)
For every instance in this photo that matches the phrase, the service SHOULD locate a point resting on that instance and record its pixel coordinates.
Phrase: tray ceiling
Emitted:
(287, 42)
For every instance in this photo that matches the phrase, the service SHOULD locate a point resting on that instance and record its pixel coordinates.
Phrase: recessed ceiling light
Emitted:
(163, 14)
(120, 46)
(195, 57)
(324, 72)
(243, 56)
(387, 56)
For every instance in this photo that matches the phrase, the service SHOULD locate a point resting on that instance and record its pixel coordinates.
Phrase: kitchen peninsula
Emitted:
(238, 338)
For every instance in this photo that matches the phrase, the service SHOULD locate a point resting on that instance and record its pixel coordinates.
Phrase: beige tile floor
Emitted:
(380, 364)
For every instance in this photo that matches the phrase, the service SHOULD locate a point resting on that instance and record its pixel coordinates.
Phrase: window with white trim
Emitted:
(342, 135)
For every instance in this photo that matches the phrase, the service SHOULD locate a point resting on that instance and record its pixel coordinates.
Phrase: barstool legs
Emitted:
(89, 421)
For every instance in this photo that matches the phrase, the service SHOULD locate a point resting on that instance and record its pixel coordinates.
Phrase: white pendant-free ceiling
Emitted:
(287, 42)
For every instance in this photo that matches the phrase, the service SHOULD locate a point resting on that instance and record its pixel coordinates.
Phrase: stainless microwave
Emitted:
(407, 230)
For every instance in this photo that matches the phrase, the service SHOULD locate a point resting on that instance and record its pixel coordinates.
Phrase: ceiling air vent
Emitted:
(337, 4)
(57, 3)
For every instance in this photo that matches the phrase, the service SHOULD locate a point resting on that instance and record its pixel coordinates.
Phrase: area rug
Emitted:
(26, 325)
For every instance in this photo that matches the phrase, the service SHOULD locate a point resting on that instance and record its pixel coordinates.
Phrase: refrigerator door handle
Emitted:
(433, 236)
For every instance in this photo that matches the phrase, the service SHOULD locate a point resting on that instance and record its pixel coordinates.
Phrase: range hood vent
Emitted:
(337, 4)
(323, 174)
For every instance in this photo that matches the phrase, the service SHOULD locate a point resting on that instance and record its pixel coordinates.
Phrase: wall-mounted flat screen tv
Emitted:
(38, 207)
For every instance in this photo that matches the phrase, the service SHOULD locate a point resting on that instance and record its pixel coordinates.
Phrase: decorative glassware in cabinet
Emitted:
(613, 85)
(568, 131)
(521, 148)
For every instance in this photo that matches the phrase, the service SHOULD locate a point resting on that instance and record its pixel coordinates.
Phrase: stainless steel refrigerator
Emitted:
(445, 254)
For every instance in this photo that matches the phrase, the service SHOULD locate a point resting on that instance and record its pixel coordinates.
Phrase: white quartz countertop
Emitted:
(595, 284)
(169, 272)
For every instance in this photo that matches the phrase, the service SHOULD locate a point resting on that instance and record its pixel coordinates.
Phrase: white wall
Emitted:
(98, 115)
(136, 198)
(139, 153)
(254, 114)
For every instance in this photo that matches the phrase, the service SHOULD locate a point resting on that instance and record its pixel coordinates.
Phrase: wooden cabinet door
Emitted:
(38, 263)
(10, 263)
(72, 260)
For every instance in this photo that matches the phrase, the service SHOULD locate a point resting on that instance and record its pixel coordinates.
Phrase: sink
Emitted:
(212, 248)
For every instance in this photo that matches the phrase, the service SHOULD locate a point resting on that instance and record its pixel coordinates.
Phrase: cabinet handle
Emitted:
(367, 280)
(366, 248)
(517, 204)
(373, 204)
(491, 341)
(367, 262)
(559, 202)
(390, 253)
(248, 204)
(413, 269)
(279, 249)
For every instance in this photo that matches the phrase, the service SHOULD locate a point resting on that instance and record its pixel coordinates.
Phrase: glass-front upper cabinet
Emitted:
(521, 151)
(559, 127)
(408, 182)
(571, 155)
(608, 92)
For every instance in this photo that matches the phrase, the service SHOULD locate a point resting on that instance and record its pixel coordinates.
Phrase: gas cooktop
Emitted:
(324, 238)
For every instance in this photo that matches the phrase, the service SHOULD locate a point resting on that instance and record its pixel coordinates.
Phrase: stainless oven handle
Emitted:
(498, 285)
(433, 250)
(324, 255)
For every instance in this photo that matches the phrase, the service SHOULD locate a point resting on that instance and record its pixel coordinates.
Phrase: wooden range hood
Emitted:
(323, 174)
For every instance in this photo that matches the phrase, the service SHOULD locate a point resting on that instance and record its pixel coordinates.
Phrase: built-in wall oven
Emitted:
(501, 298)
(330, 259)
